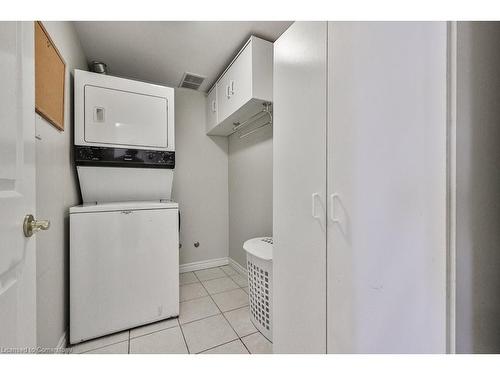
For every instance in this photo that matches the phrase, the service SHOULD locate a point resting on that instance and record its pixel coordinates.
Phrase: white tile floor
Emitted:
(214, 319)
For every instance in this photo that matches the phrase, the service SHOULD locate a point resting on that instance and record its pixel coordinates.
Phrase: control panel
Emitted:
(123, 157)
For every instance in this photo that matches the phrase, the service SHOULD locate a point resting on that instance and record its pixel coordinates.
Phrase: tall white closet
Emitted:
(299, 189)
(360, 200)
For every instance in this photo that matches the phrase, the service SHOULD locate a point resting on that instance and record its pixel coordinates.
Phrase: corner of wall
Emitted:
(56, 191)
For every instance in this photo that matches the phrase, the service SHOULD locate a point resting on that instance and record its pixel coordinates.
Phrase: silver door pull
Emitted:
(30, 225)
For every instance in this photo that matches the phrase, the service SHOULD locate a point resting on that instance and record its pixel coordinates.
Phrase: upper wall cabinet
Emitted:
(243, 89)
(211, 109)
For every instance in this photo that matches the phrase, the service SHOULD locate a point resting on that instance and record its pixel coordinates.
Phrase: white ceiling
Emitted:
(161, 52)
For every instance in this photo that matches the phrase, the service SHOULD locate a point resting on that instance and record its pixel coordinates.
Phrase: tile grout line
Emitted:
(74, 346)
(224, 316)
(215, 278)
(208, 293)
(210, 269)
(257, 332)
(184, 337)
(230, 290)
(212, 301)
(239, 338)
(216, 346)
(197, 320)
(179, 321)
(246, 347)
(221, 313)
(101, 347)
(156, 330)
(214, 294)
(254, 333)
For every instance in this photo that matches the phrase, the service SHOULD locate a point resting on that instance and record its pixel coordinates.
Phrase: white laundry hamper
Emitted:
(260, 283)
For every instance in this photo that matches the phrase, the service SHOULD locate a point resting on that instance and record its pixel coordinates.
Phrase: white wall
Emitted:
(250, 189)
(200, 181)
(478, 188)
(56, 192)
(224, 191)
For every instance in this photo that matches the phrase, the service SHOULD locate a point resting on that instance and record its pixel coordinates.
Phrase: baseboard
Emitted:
(196, 266)
(63, 341)
(237, 266)
(210, 263)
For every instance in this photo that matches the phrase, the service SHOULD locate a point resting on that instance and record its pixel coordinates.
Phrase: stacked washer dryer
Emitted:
(124, 239)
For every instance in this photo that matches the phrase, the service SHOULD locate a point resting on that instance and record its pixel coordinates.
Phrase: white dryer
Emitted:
(124, 138)
(124, 238)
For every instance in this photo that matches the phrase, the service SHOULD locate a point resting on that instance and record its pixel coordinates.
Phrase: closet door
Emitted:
(387, 187)
(299, 189)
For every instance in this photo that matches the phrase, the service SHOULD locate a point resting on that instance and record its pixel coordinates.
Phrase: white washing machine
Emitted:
(123, 266)
(124, 238)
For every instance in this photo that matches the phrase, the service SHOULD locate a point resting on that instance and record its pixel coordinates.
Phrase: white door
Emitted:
(387, 187)
(299, 189)
(17, 185)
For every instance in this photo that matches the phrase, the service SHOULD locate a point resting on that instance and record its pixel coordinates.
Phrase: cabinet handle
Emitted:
(332, 209)
(313, 204)
(214, 109)
(228, 95)
(232, 87)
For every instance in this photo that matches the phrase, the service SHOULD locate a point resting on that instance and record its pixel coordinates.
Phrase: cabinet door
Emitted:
(240, 79)
(387, 187)
(223, 96)
(299, 188)
(211, 109)
(235, 87)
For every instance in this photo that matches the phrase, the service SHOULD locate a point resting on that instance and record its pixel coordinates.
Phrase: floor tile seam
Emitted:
(197, 320)
(239, 287)
(155, 331)
(222, 313)
(104, 346)
(184, 338)
(192, 299)
(216, 346)
(253, 333)
(228, 290)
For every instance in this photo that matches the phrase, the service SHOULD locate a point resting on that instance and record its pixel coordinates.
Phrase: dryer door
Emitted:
(125, 118)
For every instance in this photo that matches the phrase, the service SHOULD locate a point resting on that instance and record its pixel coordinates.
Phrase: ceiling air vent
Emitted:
(191, 81)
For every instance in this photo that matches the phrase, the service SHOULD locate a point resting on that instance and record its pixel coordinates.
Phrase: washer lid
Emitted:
(120, 206)
(261, 247)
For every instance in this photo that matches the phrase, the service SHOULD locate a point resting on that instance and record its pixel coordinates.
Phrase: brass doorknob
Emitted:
(31, 225)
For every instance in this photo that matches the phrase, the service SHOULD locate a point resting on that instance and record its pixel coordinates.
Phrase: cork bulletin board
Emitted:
(50, 73)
